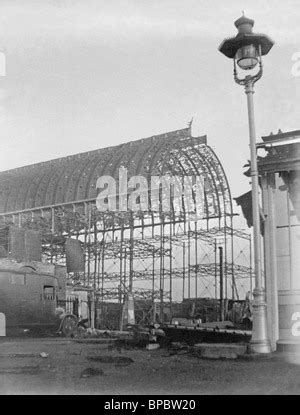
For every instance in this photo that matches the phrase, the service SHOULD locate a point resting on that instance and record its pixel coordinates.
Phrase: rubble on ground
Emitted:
(91, 371)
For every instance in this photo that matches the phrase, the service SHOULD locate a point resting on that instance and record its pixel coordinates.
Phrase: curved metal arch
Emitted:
(60, 179)
(214, 165)
(154, 157)
(73, 182)
(120, 157)
(29, 199)
(184, 170)
(4, 192)
(73, 168)
(60, 187)
(50, 195)
(142, 152)
(114, 162)
(77, 168)
(204, 163)
(221, 175)
(167, 140)
(215, 193)
(92, 174)
(12, 195)
(22, 193)
(225, 178)
(181, 146)
(42, 186)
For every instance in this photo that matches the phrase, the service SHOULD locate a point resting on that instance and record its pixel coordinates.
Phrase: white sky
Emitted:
(88, 74)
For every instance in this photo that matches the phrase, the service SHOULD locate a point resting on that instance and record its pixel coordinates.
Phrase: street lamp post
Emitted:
(246, 49)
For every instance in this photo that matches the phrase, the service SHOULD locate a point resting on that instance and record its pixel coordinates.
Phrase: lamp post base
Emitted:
(260, 342)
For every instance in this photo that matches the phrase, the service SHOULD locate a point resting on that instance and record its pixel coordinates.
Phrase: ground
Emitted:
(64, 368)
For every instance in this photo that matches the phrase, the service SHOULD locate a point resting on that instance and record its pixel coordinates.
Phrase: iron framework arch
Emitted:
(161, 256)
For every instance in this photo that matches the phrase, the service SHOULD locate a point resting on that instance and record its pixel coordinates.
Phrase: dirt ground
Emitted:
(69, 367)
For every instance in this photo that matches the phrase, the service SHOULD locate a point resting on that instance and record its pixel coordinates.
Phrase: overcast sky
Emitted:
(87, 74)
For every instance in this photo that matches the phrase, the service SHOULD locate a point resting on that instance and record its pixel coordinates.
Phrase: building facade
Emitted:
(280, 182)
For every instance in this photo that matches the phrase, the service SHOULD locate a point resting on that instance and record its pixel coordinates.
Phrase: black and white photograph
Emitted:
(149, 200)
